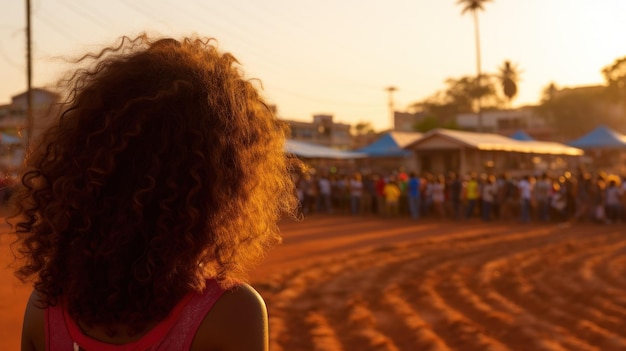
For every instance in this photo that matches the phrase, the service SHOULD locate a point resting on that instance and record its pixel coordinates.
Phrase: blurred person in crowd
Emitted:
(456, 191)
(508, 197)
(325, 193)
(569, 188)
(380, 194)
(525, 188)
(297, 179)
(368, 196)
(308, 186)
(558, 200)
(341, 193)
(497, 203)
(489, 191)
(613, 202)
(392, 197)
(584, 190)
(403, 204)
(472, 193)
(439, 197)
(598, 198)
(356, 193)
(541, 196)
(414, 195)
(144, 205)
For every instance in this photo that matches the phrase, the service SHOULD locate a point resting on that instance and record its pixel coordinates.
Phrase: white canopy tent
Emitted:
(308, 150)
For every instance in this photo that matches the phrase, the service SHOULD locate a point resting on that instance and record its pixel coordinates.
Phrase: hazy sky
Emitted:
(335, 56)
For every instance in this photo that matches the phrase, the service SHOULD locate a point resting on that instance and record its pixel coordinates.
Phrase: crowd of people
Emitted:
(570, 196)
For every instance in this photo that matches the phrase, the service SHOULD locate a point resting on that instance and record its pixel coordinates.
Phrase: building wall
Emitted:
(14, 122)
(505, 122)
(405, 121)
(43, 112)
(322, 131)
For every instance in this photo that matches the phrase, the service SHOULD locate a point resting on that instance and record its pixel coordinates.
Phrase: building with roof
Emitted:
(442, 150)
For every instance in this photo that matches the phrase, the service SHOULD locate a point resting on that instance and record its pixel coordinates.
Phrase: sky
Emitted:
(334, 56)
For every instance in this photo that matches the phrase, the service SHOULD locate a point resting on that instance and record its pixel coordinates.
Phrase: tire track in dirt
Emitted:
(375, 284)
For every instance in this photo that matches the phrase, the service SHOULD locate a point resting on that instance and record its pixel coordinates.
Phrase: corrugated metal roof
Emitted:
(403, 139)
(496, 142)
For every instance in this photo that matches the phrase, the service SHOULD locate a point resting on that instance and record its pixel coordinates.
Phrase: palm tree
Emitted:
(509, 76)
(473, 6)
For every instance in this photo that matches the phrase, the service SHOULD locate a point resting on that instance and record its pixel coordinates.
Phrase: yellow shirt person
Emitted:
(392, 195)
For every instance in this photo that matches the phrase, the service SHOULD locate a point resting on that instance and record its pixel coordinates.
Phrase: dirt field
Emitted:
(344, 283)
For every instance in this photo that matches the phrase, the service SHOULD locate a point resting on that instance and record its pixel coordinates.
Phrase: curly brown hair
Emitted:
(164, 168)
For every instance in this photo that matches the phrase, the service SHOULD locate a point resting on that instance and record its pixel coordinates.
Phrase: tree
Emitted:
(363, 128)
(461, 96)
(473, 6)
(615, 76)
(509, 77)
(572, 112)
(431, 122)
(466, 92)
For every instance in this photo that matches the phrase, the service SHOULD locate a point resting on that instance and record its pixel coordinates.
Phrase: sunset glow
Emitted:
(332, 56)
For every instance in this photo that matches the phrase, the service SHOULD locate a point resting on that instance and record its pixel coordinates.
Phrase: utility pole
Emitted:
(478, 73)
(29, 79)
(391, 89)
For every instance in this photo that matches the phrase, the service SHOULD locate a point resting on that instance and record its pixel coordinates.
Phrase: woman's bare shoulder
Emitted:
(33, 327)
(238, 321)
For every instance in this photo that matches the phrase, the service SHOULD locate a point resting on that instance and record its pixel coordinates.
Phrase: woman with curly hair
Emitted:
(147, 201)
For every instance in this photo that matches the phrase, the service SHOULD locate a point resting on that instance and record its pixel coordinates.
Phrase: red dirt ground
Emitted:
(364, 283)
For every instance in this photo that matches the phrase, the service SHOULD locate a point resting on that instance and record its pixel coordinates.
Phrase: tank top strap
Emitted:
(175, 332)
(181, 335)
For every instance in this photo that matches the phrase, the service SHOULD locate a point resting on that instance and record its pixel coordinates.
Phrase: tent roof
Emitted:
(601, 137)
(496, 142)
(391, 144)
(522, 136)
(308, 150)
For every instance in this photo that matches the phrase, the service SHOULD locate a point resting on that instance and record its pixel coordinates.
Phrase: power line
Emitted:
(85, 13)
(8, 60)
(59, 30)
(243, 32)
(323, 100)
(142, 11)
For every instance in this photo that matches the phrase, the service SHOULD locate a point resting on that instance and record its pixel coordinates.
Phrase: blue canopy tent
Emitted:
(600, 138)
(521, 136)
(391, 145)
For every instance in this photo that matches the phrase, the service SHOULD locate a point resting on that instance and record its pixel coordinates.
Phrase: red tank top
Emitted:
(175, 332)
